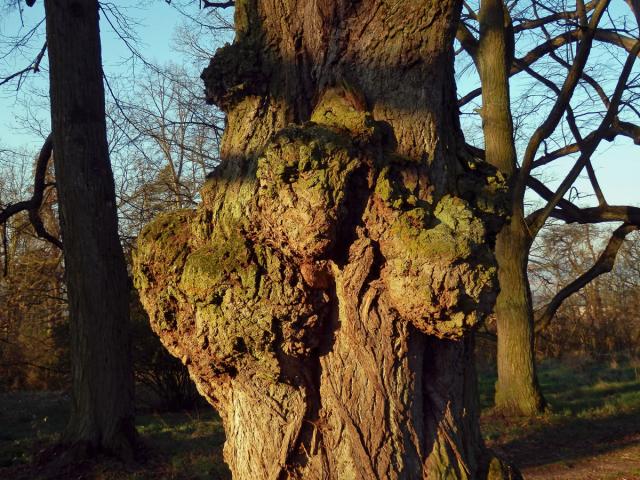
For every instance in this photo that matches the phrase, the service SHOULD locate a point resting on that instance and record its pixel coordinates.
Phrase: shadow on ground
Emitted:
(595, 412)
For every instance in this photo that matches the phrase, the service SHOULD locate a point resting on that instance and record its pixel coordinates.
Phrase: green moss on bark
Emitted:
(434, 249)
(302, 196)
(251, 278)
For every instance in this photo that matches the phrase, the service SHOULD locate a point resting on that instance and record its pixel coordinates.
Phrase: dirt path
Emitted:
(622, 464)
(590, 451)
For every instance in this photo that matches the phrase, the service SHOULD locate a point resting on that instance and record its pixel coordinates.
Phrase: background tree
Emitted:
(561, 40)
(285, 290)
(161, 140)
(32, 318)
(102, 415)
(164, 142)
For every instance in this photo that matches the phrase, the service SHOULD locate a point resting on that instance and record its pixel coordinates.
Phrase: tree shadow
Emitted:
(573, 439)
(593, 397)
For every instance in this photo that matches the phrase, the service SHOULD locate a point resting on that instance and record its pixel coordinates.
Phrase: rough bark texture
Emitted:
(324, 294)
(96, 276)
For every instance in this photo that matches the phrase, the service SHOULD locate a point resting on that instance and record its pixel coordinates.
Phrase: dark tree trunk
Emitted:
(517, 389)
(324, 294)
(96, 276)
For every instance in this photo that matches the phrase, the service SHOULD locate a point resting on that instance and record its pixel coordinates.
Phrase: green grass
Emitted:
(578, 386)
(594, 409)
(29, 420)
(190, 441)
(183, 445)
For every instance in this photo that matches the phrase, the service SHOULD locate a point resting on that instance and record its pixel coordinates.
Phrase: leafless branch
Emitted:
(32, 67)
(603, 265)
(32, 206)
(208, 4)
(5, 250)
(586, 148)
(566, 92)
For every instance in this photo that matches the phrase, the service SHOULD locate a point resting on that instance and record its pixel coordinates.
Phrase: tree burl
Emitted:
(324, 293)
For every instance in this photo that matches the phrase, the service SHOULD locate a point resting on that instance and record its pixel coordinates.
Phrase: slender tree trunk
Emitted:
(517, 388)
(96, 276)
(324, 294)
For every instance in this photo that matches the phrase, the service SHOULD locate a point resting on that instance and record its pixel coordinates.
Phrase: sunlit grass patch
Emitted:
(578, 386)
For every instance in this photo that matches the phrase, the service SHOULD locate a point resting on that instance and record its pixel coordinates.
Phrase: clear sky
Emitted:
(154, 22)
(617, 164)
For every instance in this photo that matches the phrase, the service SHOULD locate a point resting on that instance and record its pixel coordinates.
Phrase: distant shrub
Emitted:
(34, 325)
(602, 320)
(156, 370)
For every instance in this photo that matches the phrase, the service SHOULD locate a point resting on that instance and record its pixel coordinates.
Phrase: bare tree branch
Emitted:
(33, 67)
(571, 213)
(208, 4)
(603, 265)
(553, 44)
(467, 40)
(580, 11)
(5, 250)
(566, 92)
(32, 206)
(586, 149)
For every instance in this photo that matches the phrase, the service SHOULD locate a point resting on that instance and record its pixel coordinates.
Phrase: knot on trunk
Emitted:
(248, 282)
(228, 303)
(303, 195)
(234, 73)
(439, 270)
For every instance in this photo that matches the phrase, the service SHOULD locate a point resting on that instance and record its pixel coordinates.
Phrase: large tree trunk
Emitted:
(517, 388)
(96, 276)
(324, 294)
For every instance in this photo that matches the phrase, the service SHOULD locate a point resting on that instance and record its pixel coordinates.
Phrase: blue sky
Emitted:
(154, 23)
(617, 164)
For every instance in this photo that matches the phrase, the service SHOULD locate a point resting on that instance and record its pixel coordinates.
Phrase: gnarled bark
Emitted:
(324, 294)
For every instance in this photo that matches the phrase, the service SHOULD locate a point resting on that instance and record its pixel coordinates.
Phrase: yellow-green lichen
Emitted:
(343, 108)
(302, 179)
(161, 248)
(436, 272)
(224, 263)
(452, 234)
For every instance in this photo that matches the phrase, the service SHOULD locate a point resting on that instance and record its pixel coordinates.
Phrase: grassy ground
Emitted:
(185, 445)
(592, 431)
